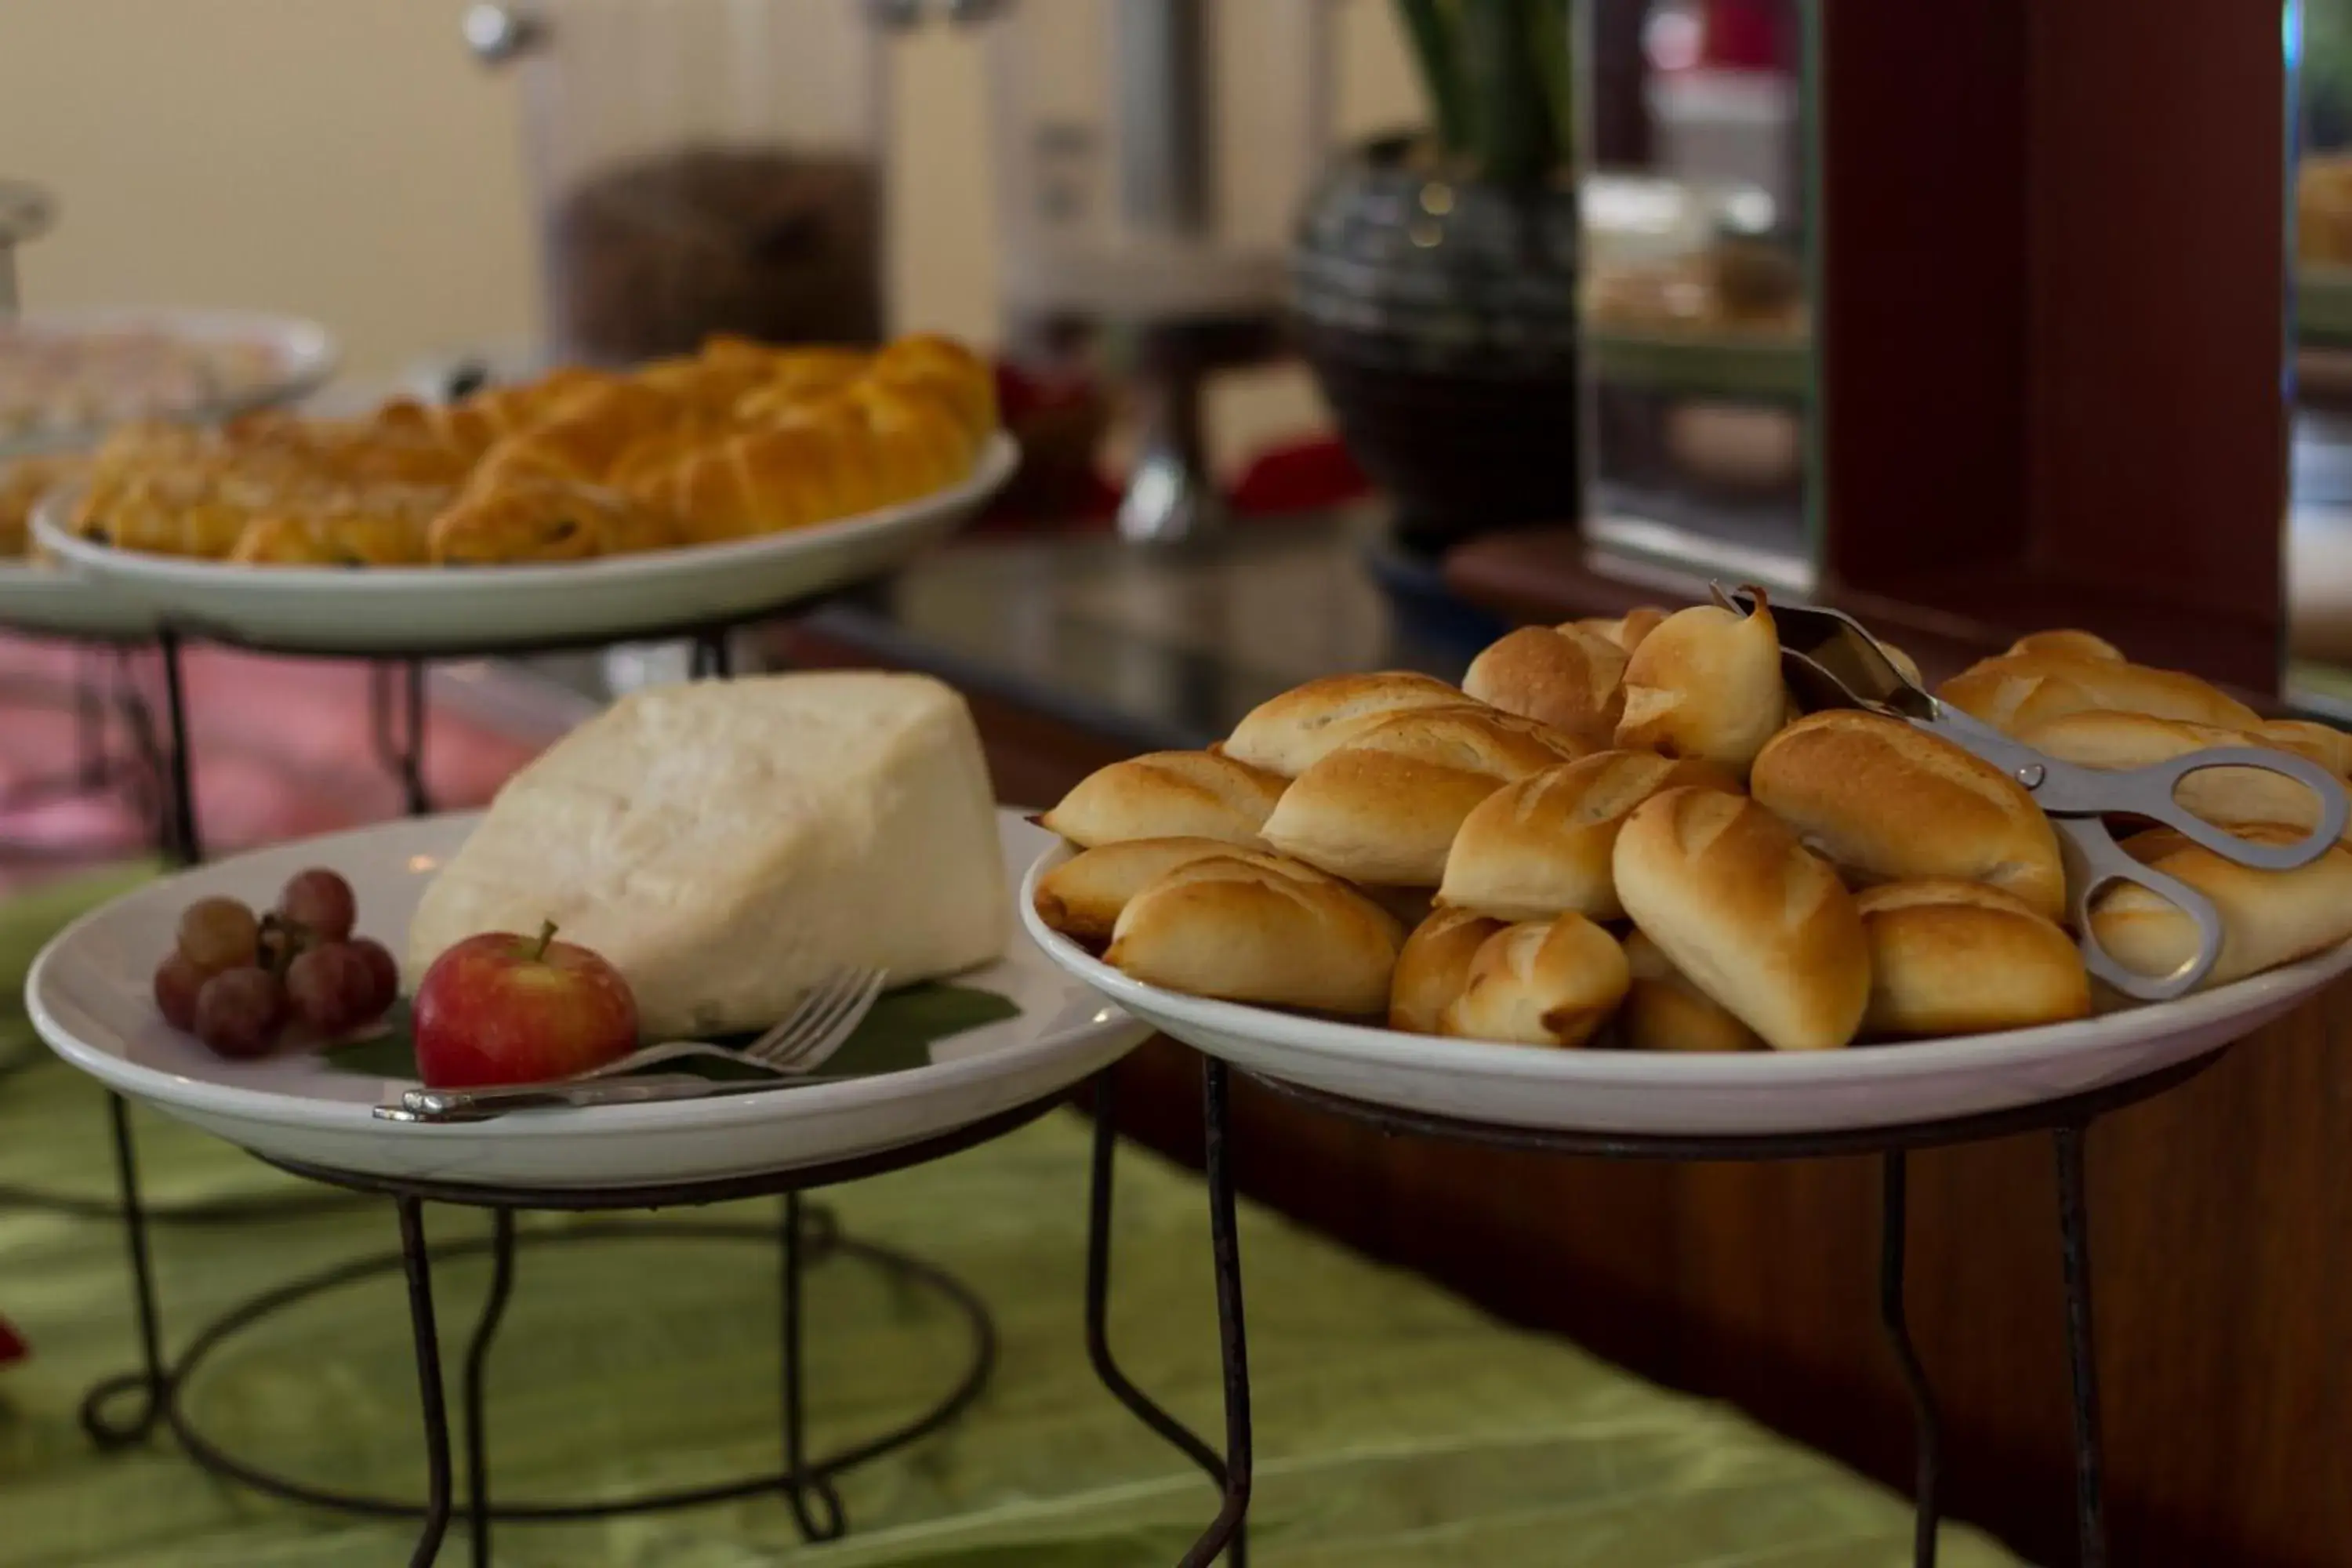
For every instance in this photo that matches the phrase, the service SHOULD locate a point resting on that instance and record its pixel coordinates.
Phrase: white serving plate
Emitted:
(89, 995)
(1694, 1095)
(46, 600)
(304, 350)
(397, 610)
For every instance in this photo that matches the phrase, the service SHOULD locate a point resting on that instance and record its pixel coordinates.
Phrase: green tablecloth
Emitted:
(1397, 1427)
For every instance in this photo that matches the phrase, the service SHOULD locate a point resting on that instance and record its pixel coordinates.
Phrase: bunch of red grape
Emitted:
(236, 980)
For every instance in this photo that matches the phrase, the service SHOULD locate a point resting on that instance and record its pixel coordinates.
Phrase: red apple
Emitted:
(501, 1008)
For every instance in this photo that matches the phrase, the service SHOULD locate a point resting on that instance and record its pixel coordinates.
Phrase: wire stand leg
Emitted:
(153, 1379)
(1224, 1245)
(401, 747)
(186, 844)
(418, 1263)
(2082, 1353)
(827, 1520)
(1892, 1227)
(91, 766)
(1098, 1238)
(477, 1360)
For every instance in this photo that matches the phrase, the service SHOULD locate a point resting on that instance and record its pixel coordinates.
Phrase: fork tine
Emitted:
(845, 1024)
(808, 1019)
(850, 995)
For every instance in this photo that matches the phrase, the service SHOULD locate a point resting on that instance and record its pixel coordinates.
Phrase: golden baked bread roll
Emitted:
(1167, 795)
(2017, 691)
(2268, 918)
(1082, 897)
(918, 444)
(1886, 801)
(1541, 846)
(524, 519)
(1757, 921)
(1664, 1012)
(2324, 744)
(1628, 630)
(1289, 733)
(2096, 738)
(2069, 643)
(1434, 966)
(1962, 958)
(1383, 809)
(792, 380)
(1705, 684)
(1569, 679)
(1259, 930)
(1539, 983)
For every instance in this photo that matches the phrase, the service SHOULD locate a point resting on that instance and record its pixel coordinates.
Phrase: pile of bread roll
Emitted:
(1625, 832)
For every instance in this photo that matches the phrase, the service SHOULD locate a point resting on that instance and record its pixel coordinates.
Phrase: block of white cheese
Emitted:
(726, 843)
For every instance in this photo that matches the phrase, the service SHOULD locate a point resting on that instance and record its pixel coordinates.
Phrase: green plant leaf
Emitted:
(1513, 141)
(1433, 28)
(897, 1035)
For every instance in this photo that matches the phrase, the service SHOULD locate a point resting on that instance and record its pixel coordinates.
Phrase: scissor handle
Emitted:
(2094, 861)
(2152, 792)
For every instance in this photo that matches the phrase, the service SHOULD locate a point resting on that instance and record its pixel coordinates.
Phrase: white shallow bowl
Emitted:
(1695, 1095)
(303, 352)
(48, 600)
(89, 995)
(422, 610)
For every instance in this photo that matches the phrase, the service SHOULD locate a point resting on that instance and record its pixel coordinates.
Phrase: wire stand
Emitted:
(806, 1236)
(105, 687)
(2067, 1121)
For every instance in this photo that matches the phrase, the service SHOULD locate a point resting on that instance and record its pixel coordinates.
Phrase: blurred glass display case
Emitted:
(2318, 36)
(1698, 285)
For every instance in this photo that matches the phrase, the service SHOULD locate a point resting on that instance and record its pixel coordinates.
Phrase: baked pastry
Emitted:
(944, 368)
(1434, 966)
(1705, 684)
(2268, 918)
(584, 434)
(23, 483)
(1664, 1012)
(1082, 897)
(2096, 738)
(1259, 930)
(1567, 677)
(1167, 795)
(1962, 958)
(332, 538)
(1289, 733)
(1628, 630)
(2018, 690)
(1539, 983)
(2068, 642)
(1541, 846)
(1886, 801)
(1757, 921)
(527, 519)
(1384, 807)
(2324, 744)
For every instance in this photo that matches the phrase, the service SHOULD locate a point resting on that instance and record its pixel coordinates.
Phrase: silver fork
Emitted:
(819, 1025)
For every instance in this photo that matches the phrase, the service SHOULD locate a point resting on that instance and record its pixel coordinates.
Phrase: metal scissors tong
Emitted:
(1830, 662)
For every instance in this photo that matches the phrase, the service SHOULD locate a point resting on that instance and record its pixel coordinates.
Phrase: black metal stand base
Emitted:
(2067, 1121)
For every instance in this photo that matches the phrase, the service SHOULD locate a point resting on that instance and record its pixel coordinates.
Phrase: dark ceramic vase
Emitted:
(1440, 316)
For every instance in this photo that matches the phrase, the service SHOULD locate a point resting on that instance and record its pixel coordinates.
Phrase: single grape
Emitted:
(177, 980)
(217, 934)
(329, 988)
(321, 903)
(238, 1012)
(384, 973)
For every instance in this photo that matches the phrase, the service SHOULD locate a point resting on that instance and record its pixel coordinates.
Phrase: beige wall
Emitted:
(346, 160)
